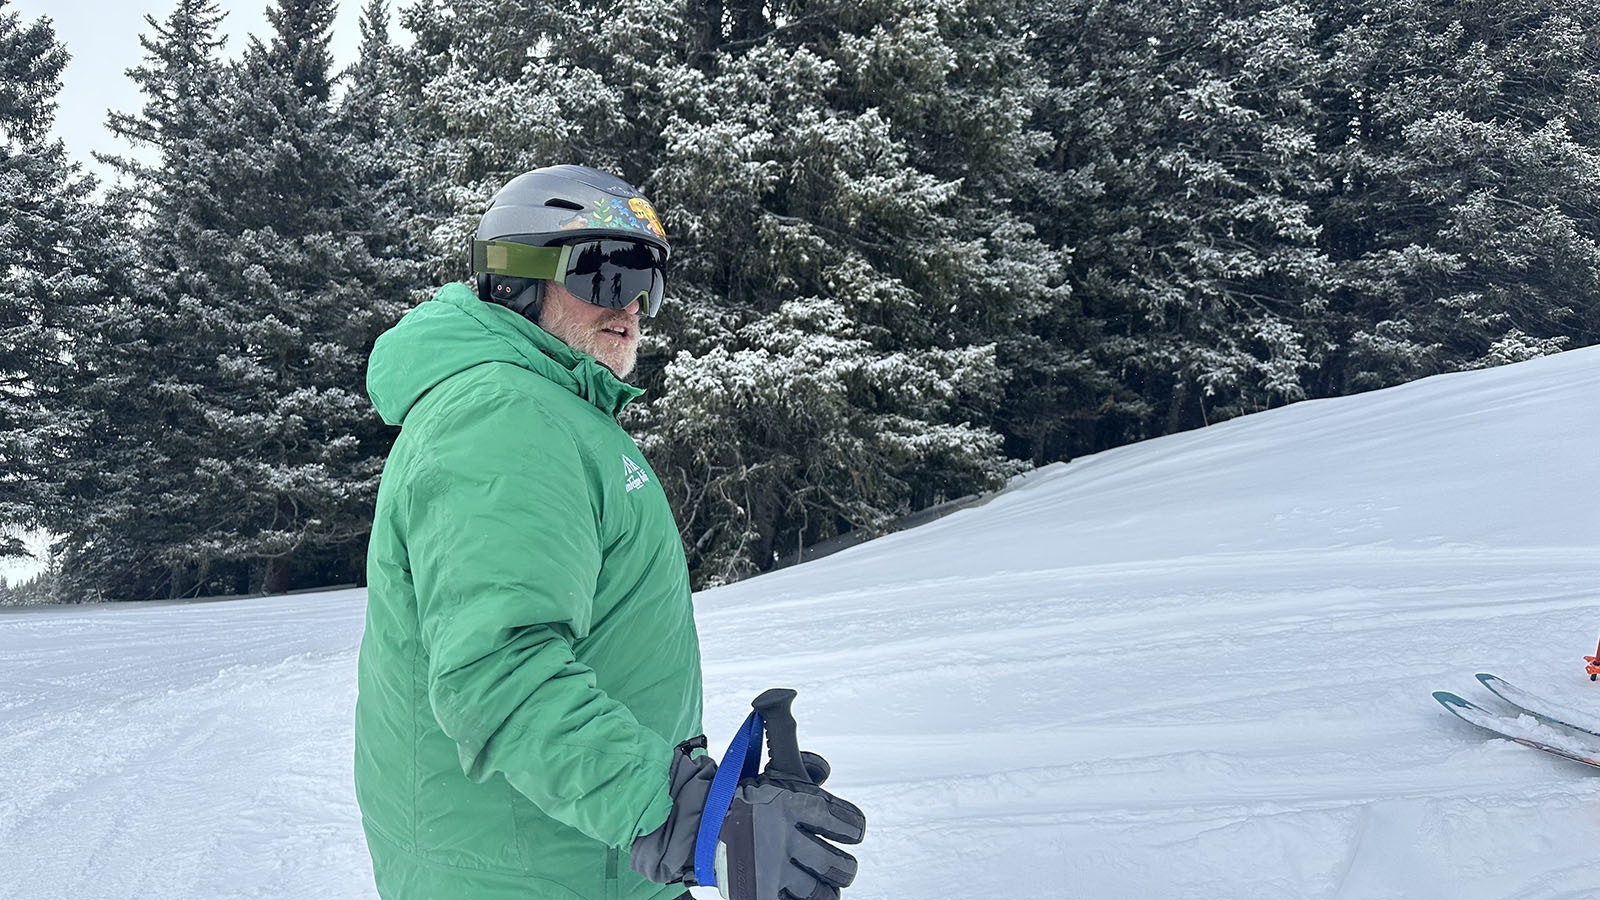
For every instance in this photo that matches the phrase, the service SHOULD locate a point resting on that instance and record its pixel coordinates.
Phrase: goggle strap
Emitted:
(515, 260)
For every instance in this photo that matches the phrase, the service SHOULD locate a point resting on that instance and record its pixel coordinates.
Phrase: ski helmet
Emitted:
(588, 229)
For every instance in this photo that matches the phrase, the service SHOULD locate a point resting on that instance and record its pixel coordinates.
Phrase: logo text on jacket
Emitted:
(635, 474)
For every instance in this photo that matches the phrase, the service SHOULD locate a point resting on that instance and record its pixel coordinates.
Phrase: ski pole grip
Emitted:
(783, 743)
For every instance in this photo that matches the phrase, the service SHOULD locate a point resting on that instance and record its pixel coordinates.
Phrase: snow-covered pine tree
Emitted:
(381, 156)
(961, 85)
(383, 147)
(1464, 217)
(130, 505)
(52, 247)
(285, 475)
(1097, 65)
(1230, 275)
(836, 293)
(237, 450)
(1187, 165)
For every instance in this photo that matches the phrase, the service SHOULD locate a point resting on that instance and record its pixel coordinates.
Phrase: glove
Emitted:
(666, 855)
(774, 843)
(777, 834)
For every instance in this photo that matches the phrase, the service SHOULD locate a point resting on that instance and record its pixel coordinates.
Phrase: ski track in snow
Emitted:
(1197, 668)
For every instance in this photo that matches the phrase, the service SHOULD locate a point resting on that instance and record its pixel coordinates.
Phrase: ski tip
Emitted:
(1451, 700)
(1484, 678)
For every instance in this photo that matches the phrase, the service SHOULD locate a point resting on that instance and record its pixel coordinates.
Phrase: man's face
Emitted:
(609, 335)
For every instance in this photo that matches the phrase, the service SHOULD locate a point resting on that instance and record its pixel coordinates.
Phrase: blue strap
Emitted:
(746, 752)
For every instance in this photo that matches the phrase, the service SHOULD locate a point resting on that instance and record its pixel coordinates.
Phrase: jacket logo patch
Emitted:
(637, 478)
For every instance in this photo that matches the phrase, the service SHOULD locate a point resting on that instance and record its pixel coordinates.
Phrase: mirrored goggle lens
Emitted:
(613, 274)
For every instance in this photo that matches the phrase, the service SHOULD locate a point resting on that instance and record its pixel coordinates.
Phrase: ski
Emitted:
(1540, 708)
(1524, 730)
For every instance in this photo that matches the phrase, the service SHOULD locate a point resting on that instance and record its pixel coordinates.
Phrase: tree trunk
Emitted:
(277, 580)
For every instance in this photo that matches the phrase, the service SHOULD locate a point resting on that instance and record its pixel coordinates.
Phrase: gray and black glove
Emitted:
(777, 838)
(666, 855)
(774, 843)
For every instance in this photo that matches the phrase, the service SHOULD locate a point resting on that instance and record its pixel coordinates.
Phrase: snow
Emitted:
(1198, 667)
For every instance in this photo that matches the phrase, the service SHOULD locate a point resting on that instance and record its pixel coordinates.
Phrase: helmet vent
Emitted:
(564, 203)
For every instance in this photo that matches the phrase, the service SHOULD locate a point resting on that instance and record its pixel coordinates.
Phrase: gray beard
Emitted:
(572, 333)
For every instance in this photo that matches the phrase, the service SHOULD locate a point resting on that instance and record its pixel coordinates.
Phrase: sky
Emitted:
(103, 38)
(1195, 668)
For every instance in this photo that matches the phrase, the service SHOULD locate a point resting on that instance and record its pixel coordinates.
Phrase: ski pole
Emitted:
(783, 742)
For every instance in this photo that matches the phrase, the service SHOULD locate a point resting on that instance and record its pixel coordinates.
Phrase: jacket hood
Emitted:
(456, 331)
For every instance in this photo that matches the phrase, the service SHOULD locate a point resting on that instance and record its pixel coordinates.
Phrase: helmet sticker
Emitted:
(644, 212)
(636, 214)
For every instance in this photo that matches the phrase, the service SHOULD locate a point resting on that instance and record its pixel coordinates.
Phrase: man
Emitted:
(529, 678)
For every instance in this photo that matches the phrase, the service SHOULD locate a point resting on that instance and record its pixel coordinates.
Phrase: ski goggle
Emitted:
(612, 274)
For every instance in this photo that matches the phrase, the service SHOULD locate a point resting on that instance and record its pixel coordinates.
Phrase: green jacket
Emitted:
(530, 658)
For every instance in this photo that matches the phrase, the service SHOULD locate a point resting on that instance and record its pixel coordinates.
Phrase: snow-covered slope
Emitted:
(1193, 668)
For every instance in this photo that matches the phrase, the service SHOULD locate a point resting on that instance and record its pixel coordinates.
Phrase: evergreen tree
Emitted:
(383, 143)
(962, 87)
(839, 285)
(1187, 166)
(52, 248)
(299, 299)
(129, 498)
(1464, 216)
(239, 450)
(381, 152)
(1233, 279)
(1100, 64)
(843, 271)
